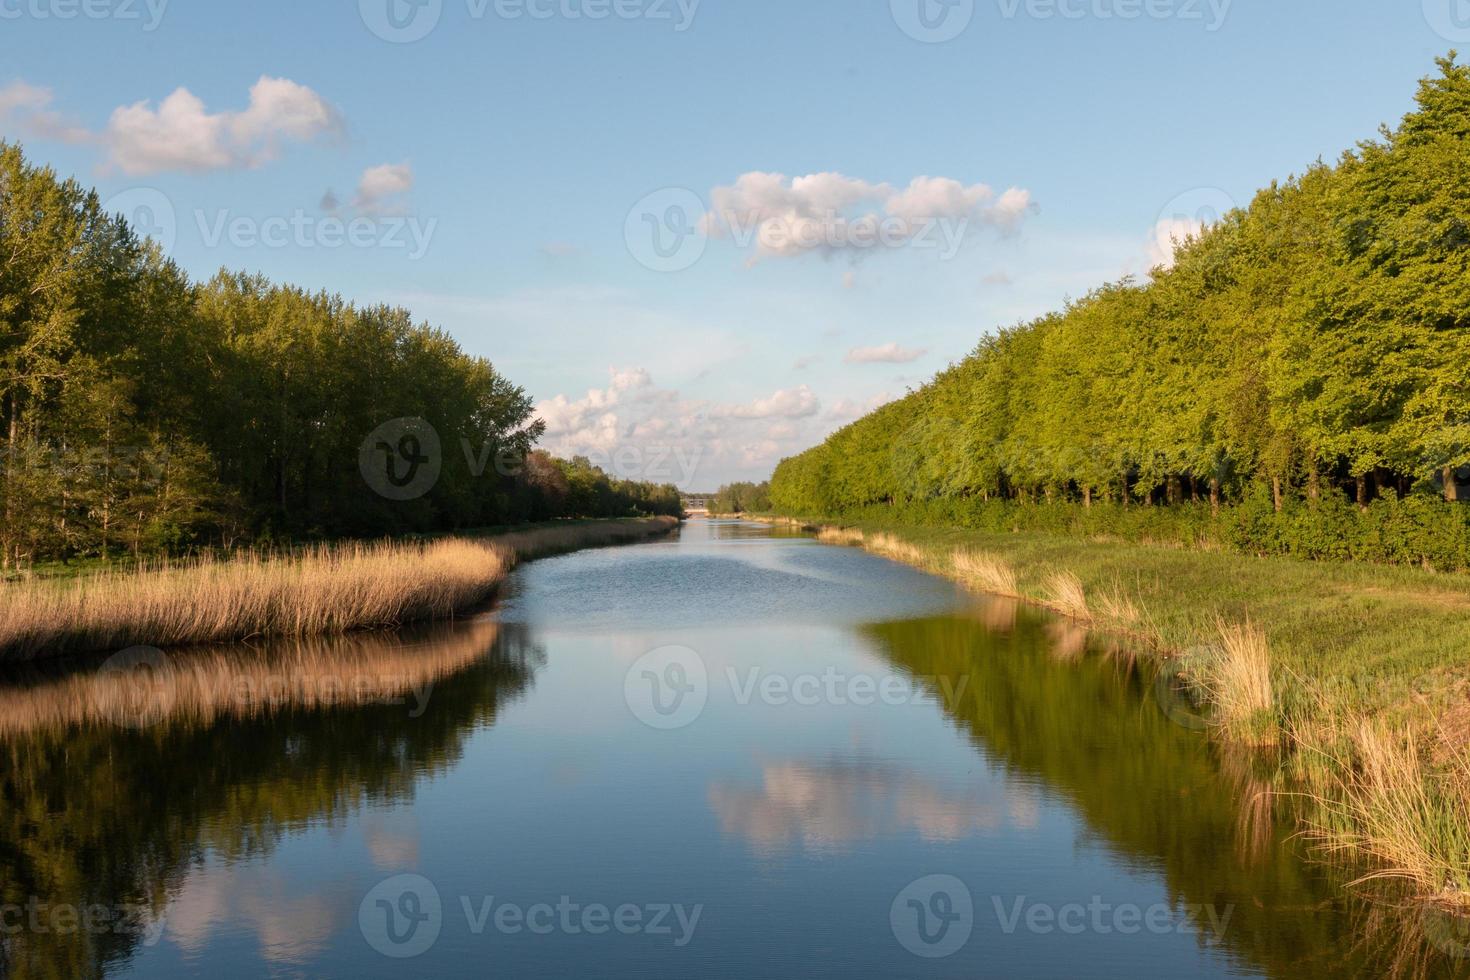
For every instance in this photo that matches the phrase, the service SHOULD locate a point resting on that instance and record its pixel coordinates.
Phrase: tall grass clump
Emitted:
(324, 590)
(1411, 816)
(844, 536)
(985, 572)
(1066, 595)
(1237, 679)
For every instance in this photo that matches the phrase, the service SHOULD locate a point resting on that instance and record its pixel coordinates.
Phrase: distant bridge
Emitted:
(697, 503)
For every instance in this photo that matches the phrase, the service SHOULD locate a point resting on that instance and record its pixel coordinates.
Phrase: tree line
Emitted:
(742, 498)
(143, 413)
(1313, 345)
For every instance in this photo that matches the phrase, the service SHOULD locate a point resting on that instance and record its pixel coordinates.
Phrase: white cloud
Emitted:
(885, 354)
(28, 108)
(381, 189)
(638, 430)
(181, 134)
(20, 97)
(793, 403)
(846, 410)
(1168, 236)
(829, 213)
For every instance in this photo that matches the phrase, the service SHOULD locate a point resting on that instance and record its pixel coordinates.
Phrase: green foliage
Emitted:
(742, 498)
(142, 413)
(1307, 353)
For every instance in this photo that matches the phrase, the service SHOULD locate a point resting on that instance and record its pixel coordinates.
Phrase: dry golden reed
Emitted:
(1414, 819)
(327, 589)
(1238, 681)
(200, 686)
(1065, 594)
(985, 572)
(840, 536)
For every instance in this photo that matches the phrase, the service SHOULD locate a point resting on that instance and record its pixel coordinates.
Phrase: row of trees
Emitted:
(742, 498)
(144, 413)
(1318, 339)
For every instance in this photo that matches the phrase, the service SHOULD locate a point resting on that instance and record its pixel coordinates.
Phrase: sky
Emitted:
(702, 234)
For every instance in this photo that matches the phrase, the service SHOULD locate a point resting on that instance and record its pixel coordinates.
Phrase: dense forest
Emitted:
(142, 413)
(1303, 365)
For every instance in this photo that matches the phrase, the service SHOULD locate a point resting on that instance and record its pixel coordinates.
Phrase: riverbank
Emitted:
(1357, 675)
(327, 590)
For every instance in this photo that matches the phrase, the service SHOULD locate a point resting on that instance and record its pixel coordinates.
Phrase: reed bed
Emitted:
(200, 686)
(1237, 679)
(985, 572)
(1414, 819)
(1394, 792)
(1066, 594)
(325, 590)
(840, 536)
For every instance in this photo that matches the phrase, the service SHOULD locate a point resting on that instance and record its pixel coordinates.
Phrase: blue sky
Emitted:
(496, 170)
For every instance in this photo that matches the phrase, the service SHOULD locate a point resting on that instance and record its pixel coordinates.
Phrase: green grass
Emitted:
(1379, 640)
(1358, 654)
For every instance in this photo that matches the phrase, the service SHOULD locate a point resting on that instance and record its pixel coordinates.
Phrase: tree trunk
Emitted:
(1363, 492)
(1087, 497)
(8, 531)
(1276, 493)
(1451, 492)
(1215, 495)
(1193, 489)
(1314, 482)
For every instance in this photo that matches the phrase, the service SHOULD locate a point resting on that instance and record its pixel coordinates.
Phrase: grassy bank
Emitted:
(1359, 676)
(327, 590)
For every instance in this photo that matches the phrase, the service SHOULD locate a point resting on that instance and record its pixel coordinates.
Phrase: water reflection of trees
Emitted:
(93, 814)
(1159, 797)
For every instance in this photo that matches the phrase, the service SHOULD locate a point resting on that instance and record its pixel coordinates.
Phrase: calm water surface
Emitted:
(735, 753)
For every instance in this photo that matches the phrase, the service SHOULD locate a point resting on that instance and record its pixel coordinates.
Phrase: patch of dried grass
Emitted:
(985, 572)
(1065, 594)
(323, 590)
